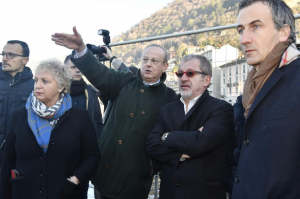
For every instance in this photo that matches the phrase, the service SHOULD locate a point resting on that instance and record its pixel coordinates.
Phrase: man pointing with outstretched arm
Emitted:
(125, 170)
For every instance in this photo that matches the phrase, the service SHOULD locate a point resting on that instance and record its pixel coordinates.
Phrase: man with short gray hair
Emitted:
(191, 137)
(268, 162)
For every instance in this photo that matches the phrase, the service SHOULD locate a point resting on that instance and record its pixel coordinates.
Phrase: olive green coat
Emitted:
(125, 170)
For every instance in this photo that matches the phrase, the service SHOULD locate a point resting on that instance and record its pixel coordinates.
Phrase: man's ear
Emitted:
(284, 33)
(207, 80)
(166, 65)
(25, 61)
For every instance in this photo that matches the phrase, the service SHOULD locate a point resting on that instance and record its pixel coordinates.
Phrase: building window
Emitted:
(244, 78)
(229, 71)
(237, 91)
(237, 70)
(224, 91)
(244, 68)
(229, 90)
(224, 81)
(237, 79)
(224, 71)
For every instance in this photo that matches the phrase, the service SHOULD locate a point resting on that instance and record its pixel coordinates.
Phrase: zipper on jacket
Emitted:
(2, 145)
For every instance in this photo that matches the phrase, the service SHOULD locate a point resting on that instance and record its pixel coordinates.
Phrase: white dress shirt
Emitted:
(192, 102)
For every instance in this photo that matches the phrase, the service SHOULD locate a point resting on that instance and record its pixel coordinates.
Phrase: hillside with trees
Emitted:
(181, 16)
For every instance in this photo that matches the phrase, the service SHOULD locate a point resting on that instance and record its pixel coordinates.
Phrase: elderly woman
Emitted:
(51, 148)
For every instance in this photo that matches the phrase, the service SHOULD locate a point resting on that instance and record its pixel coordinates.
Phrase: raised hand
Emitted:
(69, 41)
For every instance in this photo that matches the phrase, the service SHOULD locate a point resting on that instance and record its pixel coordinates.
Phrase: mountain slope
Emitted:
(184, 15)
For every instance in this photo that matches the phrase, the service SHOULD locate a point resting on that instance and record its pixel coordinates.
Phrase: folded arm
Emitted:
(156, 147)
(215, 132)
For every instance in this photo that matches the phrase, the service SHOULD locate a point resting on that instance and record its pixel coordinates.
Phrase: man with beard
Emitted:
(16, 83)
(191, 138)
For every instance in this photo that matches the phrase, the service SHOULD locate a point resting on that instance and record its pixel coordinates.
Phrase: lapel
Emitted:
(202, 98)
(178, 110)
(274, 78)
(178, 113)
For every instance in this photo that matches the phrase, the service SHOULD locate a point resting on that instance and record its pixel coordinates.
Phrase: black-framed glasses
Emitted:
(189, 73)
(10, 55)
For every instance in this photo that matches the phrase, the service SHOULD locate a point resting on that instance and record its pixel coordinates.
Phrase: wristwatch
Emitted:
(164, 137)
(111, 59)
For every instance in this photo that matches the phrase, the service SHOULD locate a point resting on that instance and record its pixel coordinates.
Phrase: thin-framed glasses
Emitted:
(10, 55)
(152, 61)
(189, 73)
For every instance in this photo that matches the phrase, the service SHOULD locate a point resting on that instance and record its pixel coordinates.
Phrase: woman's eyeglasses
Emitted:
(189, 73)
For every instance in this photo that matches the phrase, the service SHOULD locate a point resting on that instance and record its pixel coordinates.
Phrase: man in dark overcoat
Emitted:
(125, 171)
(269, 161)
(191, 137)
(16, 84)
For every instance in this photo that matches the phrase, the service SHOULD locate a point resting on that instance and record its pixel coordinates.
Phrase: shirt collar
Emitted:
(150, 84)
(192, 102)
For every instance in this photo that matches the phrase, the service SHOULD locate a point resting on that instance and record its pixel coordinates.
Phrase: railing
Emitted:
(192, 32)
(210, 42)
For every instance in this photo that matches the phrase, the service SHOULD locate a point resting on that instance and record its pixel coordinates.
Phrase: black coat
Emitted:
(269, 162)
(72, 150)
(203, 175)
(14, 92)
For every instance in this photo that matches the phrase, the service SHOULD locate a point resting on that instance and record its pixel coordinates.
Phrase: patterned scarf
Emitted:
(42, 119)
(282, 54)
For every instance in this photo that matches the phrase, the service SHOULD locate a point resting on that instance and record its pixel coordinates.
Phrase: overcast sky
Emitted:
(34, 21)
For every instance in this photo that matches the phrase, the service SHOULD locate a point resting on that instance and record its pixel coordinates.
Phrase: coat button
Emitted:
(52, 141)
(177, 186)
(43, 174)
(43, 157)
(143, 112)
(42, 190)
(142, 90)
(246, 142)
(107, 167)
(131, 114)
(120, 141)
(237, 179)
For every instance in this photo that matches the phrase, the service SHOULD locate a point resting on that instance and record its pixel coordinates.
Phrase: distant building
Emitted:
(172, 80)
(233, 77)
(218, 57)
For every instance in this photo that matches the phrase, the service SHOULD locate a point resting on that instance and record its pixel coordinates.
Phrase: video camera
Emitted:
(99, 50)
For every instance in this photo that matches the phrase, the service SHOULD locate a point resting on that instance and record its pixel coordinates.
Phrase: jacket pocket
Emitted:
(23, 100)
(276, 115)
(18, 186)
(69, 190)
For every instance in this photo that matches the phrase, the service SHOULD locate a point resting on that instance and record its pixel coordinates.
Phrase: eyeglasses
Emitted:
(189, 73)
(152, 61)
(10, 55)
